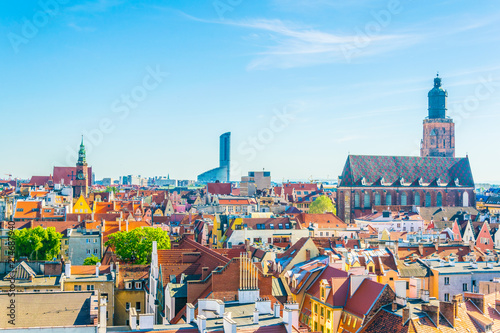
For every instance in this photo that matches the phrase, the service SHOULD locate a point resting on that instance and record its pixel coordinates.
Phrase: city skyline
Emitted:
(302, 85)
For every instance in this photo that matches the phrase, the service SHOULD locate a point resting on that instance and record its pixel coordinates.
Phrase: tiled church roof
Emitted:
(366, 170)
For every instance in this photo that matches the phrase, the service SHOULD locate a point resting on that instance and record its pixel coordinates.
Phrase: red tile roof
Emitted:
(364, 298)
(219, 188)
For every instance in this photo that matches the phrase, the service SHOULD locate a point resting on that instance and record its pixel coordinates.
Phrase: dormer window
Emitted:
(138, 285)
(128, 285)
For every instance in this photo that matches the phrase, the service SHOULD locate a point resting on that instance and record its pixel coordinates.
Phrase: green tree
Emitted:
(322, 205)
(136, 246)
(111, 189)
(91, 261)
(37, 243)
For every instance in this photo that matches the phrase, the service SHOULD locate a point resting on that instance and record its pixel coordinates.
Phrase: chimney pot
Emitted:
(406, 315)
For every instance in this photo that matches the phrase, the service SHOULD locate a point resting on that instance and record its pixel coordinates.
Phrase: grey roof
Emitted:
(465, 268)
(412, 269)
(21, 272)
(49, 309)
(440, 213)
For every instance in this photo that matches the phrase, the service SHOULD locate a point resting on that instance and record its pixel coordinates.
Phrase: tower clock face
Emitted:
(80, 176)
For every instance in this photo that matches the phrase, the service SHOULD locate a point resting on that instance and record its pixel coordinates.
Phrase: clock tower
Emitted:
(439, 130)
(81, 184)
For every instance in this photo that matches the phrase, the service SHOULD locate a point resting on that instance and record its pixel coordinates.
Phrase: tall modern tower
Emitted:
(225, 152)
(439, 130)
(222, 173)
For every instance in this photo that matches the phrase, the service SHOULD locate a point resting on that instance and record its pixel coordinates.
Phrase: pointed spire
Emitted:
(82, 158)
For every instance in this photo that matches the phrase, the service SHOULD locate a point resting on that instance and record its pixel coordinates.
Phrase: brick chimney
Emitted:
(433, 313)
(477, 299)
(406, 315)
(204, 273)
(448, 311)
(457, 299)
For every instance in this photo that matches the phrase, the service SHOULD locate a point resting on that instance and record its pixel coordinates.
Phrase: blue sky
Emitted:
(300, 84)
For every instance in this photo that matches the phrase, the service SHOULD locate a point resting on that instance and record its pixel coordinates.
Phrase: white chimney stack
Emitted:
(189, 313)
(202, 323)
(97, 266)
(276, 310)
(255, 316)
(67, 269)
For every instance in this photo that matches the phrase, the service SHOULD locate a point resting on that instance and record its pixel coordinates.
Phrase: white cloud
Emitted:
(288, 45)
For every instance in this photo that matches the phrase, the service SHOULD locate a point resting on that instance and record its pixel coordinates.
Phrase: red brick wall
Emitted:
(450, 197)
(195, 289)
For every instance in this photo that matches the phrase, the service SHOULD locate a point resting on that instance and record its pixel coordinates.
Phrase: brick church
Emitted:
(436, 178)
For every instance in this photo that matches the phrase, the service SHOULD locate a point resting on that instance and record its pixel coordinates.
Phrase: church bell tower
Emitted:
(439, 130)
(81, 184)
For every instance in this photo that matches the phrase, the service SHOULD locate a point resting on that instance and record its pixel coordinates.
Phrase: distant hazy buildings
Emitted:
(133, 180)
(221, 173)
(255, 181)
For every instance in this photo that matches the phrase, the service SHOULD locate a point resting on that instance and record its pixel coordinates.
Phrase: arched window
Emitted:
(388, 199)
(427, 199)
(356, 200)
(417, 199)
(377, 199)
(465, 199)
(404, 199)
(367, 201)
(439, 199)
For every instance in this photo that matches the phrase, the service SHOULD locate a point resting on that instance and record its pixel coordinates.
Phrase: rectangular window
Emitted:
(138, 306)
(77, 287)
(90, 287)
(465, 287)
(446, 297)
(138, 285)
(329, 314)
(322, 311)
(127, 306)
(446, 280)
(95, 251)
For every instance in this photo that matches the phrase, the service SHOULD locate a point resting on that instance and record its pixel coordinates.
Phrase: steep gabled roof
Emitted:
(367, 170)
(21, 272)
(363, 299)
